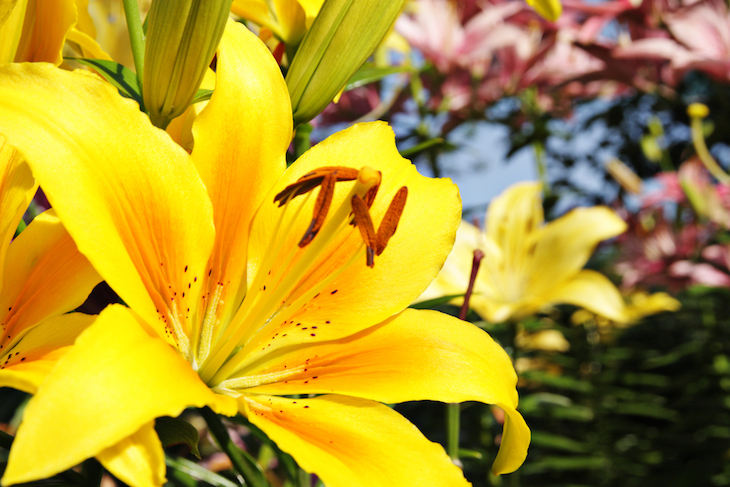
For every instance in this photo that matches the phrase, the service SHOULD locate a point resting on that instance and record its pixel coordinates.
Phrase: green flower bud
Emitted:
(182, 36)
(342, 37)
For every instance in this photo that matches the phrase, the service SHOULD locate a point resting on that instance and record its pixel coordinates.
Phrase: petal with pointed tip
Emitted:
(590, 290)
(565, 245)
(95, 391)
(241, 138)
(416, 355)
(352, 442)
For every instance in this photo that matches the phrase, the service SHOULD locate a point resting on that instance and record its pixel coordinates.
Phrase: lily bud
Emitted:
(342, 37)
(182, 36)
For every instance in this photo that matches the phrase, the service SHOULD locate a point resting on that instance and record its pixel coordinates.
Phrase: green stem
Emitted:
(249, 475)
(539, 149)
(302, 141)
(136, 37)
(704, 154)
(453, 427)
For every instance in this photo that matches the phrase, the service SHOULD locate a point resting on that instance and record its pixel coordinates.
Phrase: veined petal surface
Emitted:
(415, 355)
(130, 197)
(241, 138)
(46, 276)
(350, 442)
(116, 379)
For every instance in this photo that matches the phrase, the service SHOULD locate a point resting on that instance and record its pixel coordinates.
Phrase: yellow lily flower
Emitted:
(288, 20)
(529, 265)
(43, 277)
(230, 306)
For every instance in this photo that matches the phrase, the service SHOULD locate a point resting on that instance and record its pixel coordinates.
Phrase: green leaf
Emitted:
(428, 304)
(121, 77)
(195, 471)
(175, 431)
(557, 442)
(201, 95)
(369, 73)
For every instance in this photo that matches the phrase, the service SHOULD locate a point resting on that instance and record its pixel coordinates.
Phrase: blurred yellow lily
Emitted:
(288, 20)
(529, 265)
(230, 306)
(547, 9)
(43, 277)
(33, 31)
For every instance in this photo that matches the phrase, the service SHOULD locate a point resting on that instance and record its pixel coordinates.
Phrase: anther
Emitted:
(377, 241)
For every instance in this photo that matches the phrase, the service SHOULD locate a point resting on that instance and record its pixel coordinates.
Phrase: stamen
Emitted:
(312, 179)
(321, 207)
(376, 242)
(209, 323)
(183, 342)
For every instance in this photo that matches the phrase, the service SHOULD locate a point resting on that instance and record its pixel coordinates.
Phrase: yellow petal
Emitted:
(17, 188)
(292, 20)
(44, 31)
(453, 278)
(46, 276)
(414, 356)
(361, 296)
(311, 9)
(258, 12)
(590, 290)
(32, 359)
(12, 16)
(241, 138)
(130, 197)
(89, 47)
(138, 460)
(515, 440)
(114, 380)
(352, 442)
(565, 245)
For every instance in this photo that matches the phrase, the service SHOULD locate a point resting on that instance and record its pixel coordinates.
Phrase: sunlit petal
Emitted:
(352, 442)
(134, 204)
(116, 379)
(241, 138)
(46, 276)
(360, 296)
